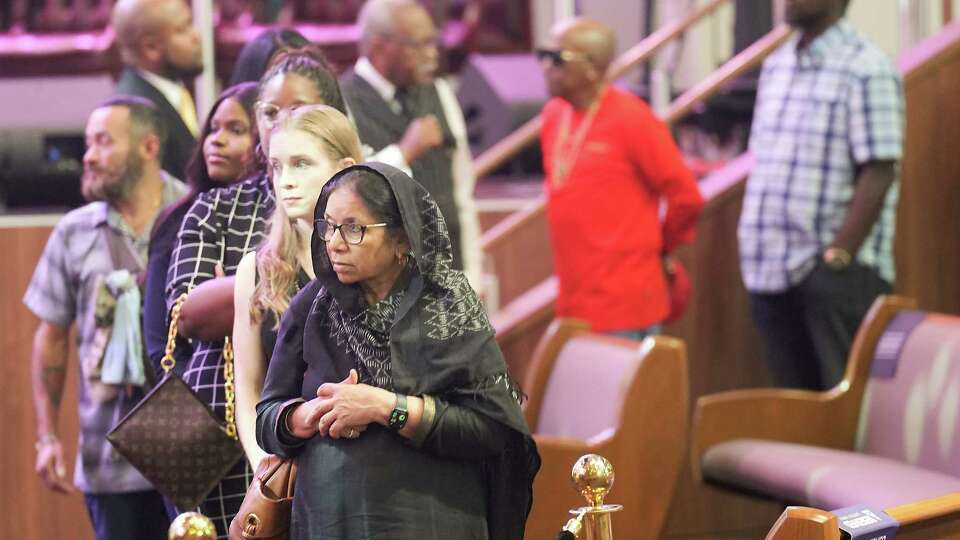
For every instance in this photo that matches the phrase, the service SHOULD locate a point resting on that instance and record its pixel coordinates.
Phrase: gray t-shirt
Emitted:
(62, 291)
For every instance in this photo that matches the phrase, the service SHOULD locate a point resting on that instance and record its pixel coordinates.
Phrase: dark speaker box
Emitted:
(498, 93)
(40, 169)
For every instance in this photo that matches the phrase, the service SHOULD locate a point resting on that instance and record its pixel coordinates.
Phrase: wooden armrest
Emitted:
(825, 419)
(932, 518)
(937, 514)
(803, 523)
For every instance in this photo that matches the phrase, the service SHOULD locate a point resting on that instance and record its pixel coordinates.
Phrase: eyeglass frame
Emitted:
(339, 227)
(559, 57)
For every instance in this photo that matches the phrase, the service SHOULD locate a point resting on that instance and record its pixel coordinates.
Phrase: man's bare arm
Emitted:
(873, 182)
(49, 368)
(50, 350)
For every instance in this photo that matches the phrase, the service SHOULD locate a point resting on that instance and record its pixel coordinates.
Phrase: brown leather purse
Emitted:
(266, 508)
(174, 439)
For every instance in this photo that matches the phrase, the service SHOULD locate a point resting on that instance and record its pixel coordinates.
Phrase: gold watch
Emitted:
(836, 258)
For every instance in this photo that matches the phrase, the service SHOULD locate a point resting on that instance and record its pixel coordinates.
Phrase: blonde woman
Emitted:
(307, 147)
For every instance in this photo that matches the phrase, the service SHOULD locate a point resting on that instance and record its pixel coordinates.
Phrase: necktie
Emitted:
(407, 98)
(188, 112)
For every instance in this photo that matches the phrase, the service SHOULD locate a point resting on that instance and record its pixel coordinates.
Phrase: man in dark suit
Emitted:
(411, 118)
(161, 50)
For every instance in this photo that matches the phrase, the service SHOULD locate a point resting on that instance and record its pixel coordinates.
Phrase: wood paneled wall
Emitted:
(928, 218)
(32, 512)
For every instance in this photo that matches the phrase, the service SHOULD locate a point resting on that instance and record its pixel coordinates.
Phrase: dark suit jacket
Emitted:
(180, 142)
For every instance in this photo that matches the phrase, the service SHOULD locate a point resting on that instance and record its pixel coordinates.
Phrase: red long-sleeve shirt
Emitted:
(605, 223)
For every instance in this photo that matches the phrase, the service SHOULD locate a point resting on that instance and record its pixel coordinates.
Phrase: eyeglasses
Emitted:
(352, 233)
(267, 114)
(558, 57)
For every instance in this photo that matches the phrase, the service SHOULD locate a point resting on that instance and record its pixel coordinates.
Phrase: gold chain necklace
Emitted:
(567, 148)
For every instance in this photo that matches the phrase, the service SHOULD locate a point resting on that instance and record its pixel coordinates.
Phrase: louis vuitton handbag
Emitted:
(173, 438)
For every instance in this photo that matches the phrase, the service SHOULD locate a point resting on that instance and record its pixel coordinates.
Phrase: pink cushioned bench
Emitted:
(887, 435)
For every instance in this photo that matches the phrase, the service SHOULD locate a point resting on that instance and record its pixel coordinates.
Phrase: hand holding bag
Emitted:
(173, 438)
(266, 508)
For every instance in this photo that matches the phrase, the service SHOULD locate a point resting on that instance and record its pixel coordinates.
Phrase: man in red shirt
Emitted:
(609, 163)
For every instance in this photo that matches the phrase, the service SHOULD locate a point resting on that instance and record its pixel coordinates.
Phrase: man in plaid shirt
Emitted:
(817, 225)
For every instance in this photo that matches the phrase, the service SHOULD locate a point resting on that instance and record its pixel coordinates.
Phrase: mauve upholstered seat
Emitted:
(907, 444)
(822, 477)
(585, 370)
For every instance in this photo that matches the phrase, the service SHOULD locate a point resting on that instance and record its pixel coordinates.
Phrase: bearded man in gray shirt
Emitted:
(94, 249)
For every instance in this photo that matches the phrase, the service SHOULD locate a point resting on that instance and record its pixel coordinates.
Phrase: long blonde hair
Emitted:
(277, 263)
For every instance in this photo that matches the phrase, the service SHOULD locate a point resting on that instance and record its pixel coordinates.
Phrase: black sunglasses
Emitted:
(558, 57)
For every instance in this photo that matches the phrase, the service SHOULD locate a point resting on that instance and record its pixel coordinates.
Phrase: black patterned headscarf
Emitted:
(440, 343)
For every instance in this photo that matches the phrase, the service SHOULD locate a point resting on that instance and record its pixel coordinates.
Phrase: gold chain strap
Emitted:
(228, 388)
(168, 362)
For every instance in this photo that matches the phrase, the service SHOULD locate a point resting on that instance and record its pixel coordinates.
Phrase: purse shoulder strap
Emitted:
(168, 362)
(228, 388)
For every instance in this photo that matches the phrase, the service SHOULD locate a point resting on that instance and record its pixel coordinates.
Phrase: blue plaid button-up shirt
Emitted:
(821, 112)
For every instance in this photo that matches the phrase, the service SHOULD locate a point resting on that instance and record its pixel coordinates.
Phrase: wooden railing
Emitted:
(748, 59)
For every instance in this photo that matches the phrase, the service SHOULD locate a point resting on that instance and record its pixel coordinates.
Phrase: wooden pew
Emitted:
(622, 399)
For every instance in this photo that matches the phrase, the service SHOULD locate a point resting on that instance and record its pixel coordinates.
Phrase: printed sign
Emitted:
(865, 523)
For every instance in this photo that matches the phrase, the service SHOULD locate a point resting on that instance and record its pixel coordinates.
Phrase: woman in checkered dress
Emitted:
(219, 229)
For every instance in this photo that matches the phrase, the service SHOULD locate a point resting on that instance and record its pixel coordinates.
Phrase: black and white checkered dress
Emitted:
(221, 227)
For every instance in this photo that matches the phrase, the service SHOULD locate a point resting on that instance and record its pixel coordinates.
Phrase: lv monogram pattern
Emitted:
(174, 440)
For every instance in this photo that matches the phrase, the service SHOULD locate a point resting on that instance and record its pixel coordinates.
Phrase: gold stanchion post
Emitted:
(593, 477)
(192, 526)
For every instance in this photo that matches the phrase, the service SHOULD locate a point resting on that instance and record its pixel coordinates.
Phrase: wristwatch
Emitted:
(836, 258)
(398, 416)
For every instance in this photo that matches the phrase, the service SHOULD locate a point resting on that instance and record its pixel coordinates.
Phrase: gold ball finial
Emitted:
(192, 526)
(593, 476)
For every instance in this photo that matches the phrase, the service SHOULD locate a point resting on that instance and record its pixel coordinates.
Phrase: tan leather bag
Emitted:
(268, 504)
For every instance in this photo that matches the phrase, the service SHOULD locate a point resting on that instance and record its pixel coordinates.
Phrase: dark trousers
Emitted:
(128, 516)
(807, 330)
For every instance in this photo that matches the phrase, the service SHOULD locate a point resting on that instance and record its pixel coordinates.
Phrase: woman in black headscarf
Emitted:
(386, 382)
